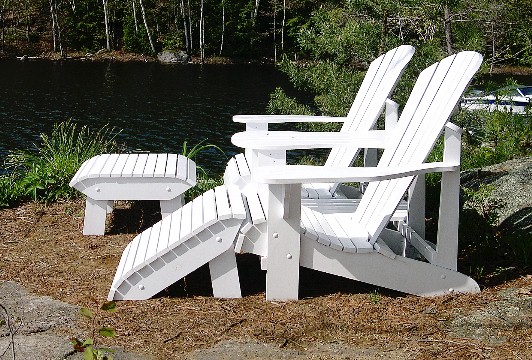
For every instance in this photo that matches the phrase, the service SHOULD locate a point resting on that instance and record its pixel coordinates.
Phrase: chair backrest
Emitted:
(379, 82)
(431, 103)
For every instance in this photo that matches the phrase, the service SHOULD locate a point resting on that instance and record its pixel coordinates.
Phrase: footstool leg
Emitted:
(110, 204)
(169, 206)
(95, 212)
(224, 275)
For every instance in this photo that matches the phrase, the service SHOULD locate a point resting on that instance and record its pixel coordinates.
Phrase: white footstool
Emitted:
(109, 177)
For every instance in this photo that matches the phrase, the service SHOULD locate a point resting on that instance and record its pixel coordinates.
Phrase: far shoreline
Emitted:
(122, 56)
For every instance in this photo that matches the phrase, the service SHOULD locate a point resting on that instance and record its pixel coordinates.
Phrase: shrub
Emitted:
(44, 172)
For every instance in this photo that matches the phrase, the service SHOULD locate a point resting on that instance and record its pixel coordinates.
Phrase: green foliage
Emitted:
(44, 173)
(135, 39)
(491, 138)
(193, 152)
(88, 346)
(282, 104)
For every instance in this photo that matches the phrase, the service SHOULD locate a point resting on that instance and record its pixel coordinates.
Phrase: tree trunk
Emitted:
(106, 20)
(135, 16)
(202, 33)
(274, 31)
(448, 37)
(185, 28)
(54, 34)
(223, 27)
(190, 27)
(146, 26)
(282, 26)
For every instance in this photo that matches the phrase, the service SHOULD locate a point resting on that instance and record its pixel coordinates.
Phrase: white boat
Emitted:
(515, 98)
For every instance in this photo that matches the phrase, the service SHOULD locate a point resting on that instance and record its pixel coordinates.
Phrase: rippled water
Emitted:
(157, 106)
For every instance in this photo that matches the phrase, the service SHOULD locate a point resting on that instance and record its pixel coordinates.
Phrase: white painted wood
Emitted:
(138, 170)
(223, 210)
(291, 140)
(130, 165)
(197, 215)
(110, 177)
(119, 165)
(401, 274)
(149, 168)
(171, 166)
(109, 164)
(243, 168)
(447, 247)
(224, 275)
(174, 238)
(95, 212)
(282, 277)
(169, 206)
(191, 171)
(160, 165)
(272, 119)
(237, 205)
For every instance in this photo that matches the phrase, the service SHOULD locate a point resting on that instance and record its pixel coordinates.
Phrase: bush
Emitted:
(44, 172)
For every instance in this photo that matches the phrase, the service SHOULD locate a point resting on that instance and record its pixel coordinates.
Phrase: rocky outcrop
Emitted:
(173, 57)
(511, 195)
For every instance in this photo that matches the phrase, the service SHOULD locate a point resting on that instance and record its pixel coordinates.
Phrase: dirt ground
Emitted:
(42, 248)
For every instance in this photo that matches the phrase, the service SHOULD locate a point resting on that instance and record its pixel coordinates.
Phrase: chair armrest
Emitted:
(299, 174)
(290, 140)
(261, 119)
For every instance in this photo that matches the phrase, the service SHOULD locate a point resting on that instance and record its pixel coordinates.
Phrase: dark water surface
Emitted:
(157, 106)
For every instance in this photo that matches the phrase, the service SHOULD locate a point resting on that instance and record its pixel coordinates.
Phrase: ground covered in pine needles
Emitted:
(43, 249)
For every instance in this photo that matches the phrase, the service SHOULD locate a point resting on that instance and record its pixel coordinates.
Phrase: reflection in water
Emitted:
(158, 107)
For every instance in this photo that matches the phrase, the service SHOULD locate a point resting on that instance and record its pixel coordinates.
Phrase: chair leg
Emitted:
(95, 212)
(224, 275)
(284, 217)
(169, 206)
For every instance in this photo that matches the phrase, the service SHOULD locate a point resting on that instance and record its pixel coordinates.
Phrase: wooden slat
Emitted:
(160, 166)
(82, 171)
(109, 165)
(323, 238)
(191, 171)
(182, 168)
(130, 261)
(174, 238)
(166, 224)
(98, 166)
(142, 248)
(255, 208)
(119, 165)
(186, 222)
(171, 166)
(138, 171)
(156, 235)
(149, 168)
(223, 209)
(242, 165)
(209, 208)
(130, 165)
(197, 215)
(120, 269)
(237, 204)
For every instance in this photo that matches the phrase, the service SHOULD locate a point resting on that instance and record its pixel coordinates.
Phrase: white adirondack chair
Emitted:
(356, 244)
(109, 177)
(378, 84)
(337, 236)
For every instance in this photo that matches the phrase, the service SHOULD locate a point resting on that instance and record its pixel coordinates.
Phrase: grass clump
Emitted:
(43, 173)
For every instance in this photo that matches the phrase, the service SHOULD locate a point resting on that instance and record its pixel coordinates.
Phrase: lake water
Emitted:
(157, 106)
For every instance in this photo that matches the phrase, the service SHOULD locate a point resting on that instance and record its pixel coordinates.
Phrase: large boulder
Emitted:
(173, 57)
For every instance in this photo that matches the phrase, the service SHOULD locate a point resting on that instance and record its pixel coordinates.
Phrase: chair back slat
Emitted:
(432, 101)
(379, 82)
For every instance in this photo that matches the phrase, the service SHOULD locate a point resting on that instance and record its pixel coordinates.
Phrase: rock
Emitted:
(43, 327)
(512, 190)
(173, 57)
